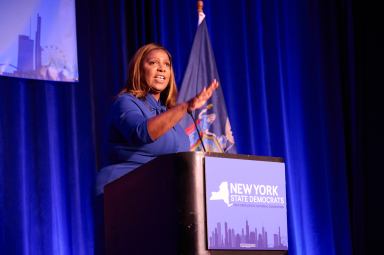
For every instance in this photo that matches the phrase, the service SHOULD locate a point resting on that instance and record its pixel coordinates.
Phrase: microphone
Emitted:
(198, 131)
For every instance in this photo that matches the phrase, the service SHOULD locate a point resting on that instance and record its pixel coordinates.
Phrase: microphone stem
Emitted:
(198, 131)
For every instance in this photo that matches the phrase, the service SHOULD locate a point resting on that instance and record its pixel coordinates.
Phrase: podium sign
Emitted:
(245, 204)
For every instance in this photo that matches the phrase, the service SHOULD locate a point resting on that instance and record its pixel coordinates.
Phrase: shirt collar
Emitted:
(154, 104)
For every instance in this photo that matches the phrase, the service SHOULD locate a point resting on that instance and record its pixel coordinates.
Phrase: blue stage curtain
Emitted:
(287, 72)
(46, 168)
(282, 77)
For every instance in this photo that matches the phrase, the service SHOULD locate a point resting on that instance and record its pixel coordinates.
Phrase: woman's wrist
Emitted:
(190, 105)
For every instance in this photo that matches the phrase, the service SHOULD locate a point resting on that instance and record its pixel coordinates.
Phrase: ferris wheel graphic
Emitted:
(54, 64)
(53, 56)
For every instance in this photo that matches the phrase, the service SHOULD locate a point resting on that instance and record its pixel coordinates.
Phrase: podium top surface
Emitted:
(240, 156)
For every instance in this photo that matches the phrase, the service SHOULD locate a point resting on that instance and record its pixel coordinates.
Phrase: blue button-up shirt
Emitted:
(129, 141)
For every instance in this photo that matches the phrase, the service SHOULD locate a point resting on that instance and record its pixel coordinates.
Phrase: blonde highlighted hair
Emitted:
(136, 84)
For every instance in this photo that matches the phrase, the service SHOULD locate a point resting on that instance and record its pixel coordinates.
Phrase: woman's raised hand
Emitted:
(200, 99)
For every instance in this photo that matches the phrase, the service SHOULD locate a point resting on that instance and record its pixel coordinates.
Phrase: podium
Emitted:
(171, 205)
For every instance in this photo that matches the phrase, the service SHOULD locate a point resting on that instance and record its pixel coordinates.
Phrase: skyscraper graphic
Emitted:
(26, 49)
(226, 241)
(25, 54)
(38, 48)
(275, 240)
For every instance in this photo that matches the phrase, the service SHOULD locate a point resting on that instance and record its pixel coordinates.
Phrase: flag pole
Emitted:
(200, 5)
(200, 12)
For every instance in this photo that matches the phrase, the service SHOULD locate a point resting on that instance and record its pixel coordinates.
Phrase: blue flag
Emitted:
(212, 119)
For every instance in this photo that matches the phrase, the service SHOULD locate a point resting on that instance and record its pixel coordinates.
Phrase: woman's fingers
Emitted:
(207, 92)
(203, 96)
(214, 85)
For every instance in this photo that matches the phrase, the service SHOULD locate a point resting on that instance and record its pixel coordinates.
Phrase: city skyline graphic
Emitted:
(248, 239)
(40, 47)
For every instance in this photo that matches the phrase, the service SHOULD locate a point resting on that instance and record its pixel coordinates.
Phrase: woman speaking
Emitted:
(144, 116)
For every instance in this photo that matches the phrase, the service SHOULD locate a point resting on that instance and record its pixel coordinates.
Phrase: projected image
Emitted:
(38, 39)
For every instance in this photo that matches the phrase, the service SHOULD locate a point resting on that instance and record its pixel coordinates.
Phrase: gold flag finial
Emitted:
(200, 6)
